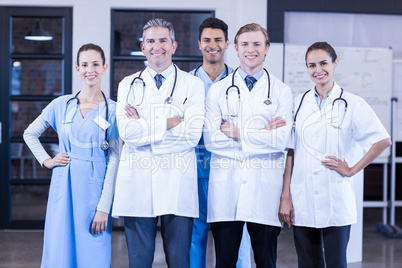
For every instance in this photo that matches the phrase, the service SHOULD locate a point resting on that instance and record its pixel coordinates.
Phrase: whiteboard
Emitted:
(364, 71)
(397, 92)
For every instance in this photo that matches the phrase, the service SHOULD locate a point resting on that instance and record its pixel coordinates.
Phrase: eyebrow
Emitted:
(160, 39)
(95, 61)
(318, 62)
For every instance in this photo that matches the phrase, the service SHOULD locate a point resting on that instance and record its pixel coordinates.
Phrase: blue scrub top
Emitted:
(204, 156)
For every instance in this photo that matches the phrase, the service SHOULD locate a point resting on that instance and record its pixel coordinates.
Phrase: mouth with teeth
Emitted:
(91, 77)
(320, 76)
(213, 51)
(251, 57)
(157, 53)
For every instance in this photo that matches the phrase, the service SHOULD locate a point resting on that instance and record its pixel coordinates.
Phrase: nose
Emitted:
(157, 45)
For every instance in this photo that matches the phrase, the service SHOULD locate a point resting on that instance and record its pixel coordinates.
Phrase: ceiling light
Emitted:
(38, 34)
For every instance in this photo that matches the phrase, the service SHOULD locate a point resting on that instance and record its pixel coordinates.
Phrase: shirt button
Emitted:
(243, 181)
(316, 192)
(315, 173)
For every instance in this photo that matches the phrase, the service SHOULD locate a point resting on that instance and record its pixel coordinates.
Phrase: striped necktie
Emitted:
(250, 82)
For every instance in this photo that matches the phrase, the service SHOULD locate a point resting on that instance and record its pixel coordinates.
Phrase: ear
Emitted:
(266, 50)
(142, 47)
(199, 44)
(105, 66)
(175, 44)
(227, 44)
(77, 68)
(336, 63)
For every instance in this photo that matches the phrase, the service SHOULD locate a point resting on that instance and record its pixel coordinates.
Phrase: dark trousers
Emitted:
(310, 242)
(227, 236)
(176, 234)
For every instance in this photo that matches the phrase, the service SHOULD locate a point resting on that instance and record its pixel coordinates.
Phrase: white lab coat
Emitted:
(246, 177)
(158, 173)
(322, 197)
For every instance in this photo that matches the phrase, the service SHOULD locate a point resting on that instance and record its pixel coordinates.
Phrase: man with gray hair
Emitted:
(160, 114)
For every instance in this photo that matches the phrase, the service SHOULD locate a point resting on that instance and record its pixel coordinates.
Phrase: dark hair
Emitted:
(252, 27)
(91, 46)
(324, 46)
(159, 23)
(213, 23)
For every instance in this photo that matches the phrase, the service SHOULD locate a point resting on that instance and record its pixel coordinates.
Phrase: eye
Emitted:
(311, 65)
(323, 63)
(244, 45)
(84, 65)
(96, 64)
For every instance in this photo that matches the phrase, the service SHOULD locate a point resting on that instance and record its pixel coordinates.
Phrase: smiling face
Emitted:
(321, 67)
(251, 49)
(213, 45)
(90, 67)
(158, 48)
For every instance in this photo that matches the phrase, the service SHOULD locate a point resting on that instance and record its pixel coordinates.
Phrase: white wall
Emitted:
(91, 20)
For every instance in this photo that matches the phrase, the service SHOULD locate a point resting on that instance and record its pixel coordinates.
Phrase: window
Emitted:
(36, 61)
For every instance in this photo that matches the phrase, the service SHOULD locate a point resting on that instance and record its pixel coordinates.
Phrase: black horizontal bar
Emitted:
(32, 98)
(29, 181)
(37, 56)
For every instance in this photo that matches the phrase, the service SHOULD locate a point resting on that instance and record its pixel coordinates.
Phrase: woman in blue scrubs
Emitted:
(78, 223)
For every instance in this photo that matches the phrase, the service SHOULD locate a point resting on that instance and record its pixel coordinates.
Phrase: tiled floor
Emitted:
(24, 248)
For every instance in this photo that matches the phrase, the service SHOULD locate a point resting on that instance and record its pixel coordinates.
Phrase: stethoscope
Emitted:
(266, 102)
(105, 144)
(333, 103)
(226, 71)
(168, 100)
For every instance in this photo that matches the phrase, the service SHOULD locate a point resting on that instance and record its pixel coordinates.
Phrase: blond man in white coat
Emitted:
(248, 124)
(160, 113)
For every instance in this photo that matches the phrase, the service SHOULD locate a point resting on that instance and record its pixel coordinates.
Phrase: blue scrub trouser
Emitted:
(176, 235)
(200, 234)
(310, 242)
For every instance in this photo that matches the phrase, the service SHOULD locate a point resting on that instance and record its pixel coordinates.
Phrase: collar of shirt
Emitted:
(257, 76)
(317, 98)
(165, 73)
(207, 80)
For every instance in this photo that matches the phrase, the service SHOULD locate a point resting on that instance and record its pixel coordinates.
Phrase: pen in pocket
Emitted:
(184, 101)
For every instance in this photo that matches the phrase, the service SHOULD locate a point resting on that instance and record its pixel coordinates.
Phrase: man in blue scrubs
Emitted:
(213, 41)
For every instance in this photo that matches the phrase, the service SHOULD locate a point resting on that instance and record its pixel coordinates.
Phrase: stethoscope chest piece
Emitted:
(169, 100)
(267, 102)
(104, 145)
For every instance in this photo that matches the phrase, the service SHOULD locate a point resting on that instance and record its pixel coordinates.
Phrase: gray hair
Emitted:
(159, 23)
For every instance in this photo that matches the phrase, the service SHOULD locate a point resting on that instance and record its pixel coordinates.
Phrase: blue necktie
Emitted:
(158, 80)
(250, 82)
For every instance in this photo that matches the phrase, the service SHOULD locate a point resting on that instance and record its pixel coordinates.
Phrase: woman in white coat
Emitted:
(318, 196)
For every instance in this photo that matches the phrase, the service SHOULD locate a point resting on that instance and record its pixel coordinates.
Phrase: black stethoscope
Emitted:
(105, 144)
(266, 102)
(168, 100)
(226, 71)
(333, 103)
